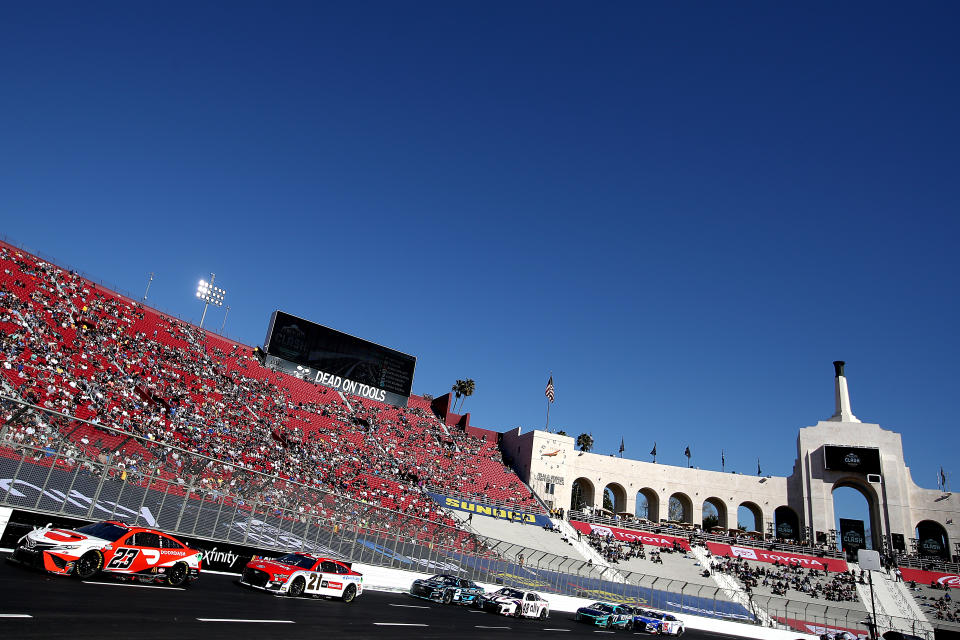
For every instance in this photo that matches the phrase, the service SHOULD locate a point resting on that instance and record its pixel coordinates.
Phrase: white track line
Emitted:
(556, 629)
(475, 611)
(409, 606)
(243, 620)
(141, 586)
(400, 624)
(15, 615)
(480, 626)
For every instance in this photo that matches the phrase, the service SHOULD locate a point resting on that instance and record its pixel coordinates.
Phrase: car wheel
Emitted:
(679, 632)
(447, 597)
(629, 625)
(543, 614)
(88, 565)
(177, 575)
(297, 587)
(518, 613)
(350, 593)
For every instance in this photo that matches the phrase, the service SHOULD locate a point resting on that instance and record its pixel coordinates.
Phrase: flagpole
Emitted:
(548, 413)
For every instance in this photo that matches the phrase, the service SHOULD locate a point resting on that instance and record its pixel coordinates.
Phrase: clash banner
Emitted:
(628, 535)
(781, 557)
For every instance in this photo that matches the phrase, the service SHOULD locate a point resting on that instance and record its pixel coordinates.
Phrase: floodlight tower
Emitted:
(210, 295)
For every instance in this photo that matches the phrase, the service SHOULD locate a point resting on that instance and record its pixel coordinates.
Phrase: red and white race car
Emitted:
(110, 547)
(296, 574)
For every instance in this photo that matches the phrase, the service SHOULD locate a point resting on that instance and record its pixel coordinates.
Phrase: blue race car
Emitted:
(607, 616)
(657, 622)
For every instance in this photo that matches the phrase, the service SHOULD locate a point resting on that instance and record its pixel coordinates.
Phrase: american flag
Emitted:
(549, 391)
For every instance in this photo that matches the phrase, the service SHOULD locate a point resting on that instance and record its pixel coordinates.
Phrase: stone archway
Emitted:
(932, 540)
(582, 494)
(618, 496)
(714, 507)
(750, 515)
(786, 523)
(648, 504)
(680, 508)
(873, 534)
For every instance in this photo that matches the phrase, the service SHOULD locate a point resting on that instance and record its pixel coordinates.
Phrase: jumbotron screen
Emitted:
(856, 459)
(339, 355)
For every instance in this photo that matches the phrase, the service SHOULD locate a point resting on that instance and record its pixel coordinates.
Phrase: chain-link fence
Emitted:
(55, 464)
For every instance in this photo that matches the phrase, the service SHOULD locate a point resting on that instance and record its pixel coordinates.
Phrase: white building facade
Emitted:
(839, 452)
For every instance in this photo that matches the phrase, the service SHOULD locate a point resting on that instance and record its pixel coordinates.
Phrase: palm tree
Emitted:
(561, 432)
(585, 441)
(457, 388)
(469, 386)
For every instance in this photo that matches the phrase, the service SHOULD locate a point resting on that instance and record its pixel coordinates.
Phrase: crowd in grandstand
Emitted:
(944, 608)
(781, 578)
(72, 347)
(615, 551)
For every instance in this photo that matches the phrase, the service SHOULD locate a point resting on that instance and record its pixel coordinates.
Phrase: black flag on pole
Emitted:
(759, 472)
(687, 453)
(621, 445)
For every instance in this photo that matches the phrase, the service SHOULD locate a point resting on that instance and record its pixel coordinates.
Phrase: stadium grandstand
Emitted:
(101, 390)
(72, 346)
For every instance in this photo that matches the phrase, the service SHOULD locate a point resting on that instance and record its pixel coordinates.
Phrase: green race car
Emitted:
(606, 615)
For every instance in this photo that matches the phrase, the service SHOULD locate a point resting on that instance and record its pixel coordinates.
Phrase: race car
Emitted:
(446, 589)
(297, 574)
(657, 622)
(606, 615)
(145, 555)
(516, 603)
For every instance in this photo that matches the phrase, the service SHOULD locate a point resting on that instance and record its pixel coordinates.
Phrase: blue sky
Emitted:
(685, 211)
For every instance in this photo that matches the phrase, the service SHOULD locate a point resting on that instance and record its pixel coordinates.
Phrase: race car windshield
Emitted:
(510, 593)
(103, 530)
(297, 560)
(599, 606)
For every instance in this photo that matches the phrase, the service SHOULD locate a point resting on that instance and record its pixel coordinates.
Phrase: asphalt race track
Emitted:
(216, 607)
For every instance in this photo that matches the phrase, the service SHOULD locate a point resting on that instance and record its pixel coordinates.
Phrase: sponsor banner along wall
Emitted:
(926, 577)
(782, 557)
(628, 535)
(229, 535)
(489, 510)
(817, 628)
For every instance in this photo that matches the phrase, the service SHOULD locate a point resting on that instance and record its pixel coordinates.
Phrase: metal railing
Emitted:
(698, 534)
(46, 467)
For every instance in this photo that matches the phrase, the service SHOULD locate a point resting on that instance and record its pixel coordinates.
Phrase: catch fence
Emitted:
(53, 463)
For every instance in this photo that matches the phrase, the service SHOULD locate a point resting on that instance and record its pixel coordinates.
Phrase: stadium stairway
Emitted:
(526, 535)
(733, 589)
(896, 608)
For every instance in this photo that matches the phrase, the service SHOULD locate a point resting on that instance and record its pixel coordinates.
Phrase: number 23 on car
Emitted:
(112, 547)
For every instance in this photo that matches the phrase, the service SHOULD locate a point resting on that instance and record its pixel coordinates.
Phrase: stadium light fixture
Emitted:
(210, 295)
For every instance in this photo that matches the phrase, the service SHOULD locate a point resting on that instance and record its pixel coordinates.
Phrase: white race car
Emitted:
(516, 603)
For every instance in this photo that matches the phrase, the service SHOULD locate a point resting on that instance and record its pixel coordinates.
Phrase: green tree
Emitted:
(710, 521)
(608, 500)
(561, 432)
(585, 442)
